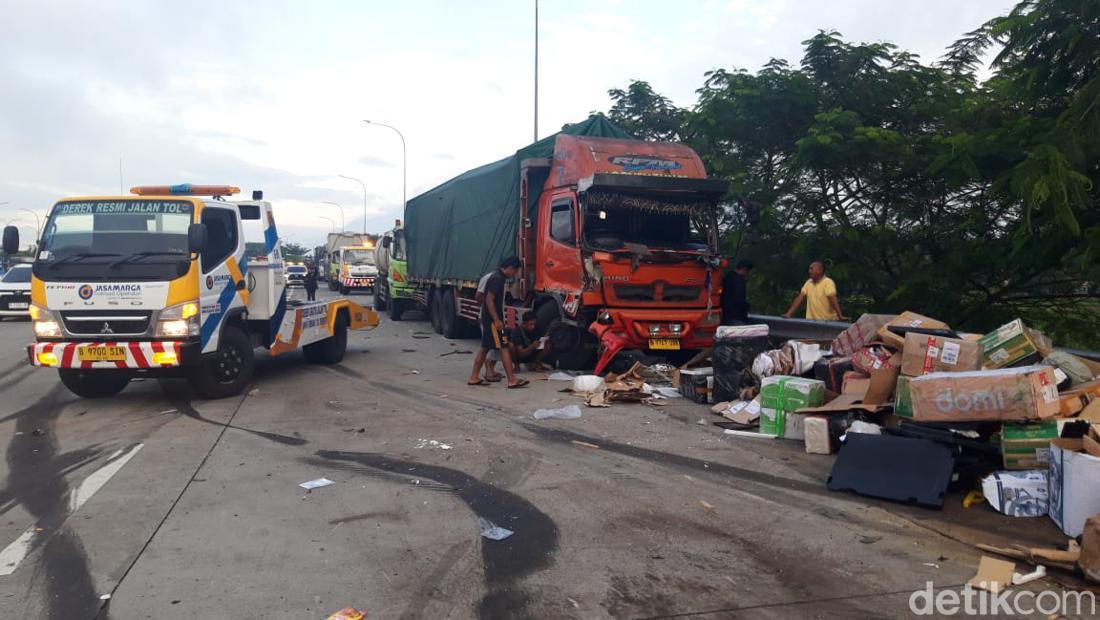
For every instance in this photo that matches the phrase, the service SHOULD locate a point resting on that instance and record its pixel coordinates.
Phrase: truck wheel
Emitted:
(229, 369)
(396, 307)
(380, 294)
(449, 320)
(94, 383)
(436, 310)
(344, 290)
(331, 284)
(330, 350)
(571, 349)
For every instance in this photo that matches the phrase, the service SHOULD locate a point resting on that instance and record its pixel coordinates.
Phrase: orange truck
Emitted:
(617, 238)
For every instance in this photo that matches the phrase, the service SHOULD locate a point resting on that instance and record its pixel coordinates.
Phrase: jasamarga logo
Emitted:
(117, 288)
(949, 401)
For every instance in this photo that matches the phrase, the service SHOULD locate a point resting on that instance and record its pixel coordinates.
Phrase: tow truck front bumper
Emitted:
(134, 355)
(358, 282)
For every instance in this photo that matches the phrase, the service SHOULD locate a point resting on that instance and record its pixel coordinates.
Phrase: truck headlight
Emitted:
(45, 325)
(179, 321)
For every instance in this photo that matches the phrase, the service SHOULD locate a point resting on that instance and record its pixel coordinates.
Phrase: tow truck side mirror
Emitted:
(11, 240)
(196, 238)
(387, 242)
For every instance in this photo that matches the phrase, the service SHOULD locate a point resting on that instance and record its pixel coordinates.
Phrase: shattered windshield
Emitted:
(613, 220)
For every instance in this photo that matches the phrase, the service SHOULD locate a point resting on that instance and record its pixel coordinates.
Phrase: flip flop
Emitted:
(480, 382)
(522, 383)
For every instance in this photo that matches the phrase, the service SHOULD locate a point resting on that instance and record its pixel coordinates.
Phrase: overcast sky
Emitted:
(270, 94)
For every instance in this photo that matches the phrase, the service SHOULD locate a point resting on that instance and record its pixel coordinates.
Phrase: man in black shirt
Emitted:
(492, 325)
(735, 303)
(528, 345)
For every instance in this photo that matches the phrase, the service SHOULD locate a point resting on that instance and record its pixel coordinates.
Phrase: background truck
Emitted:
(355, 268)
(394, 293)
(166, 283)
(618, 238)
(329, 262)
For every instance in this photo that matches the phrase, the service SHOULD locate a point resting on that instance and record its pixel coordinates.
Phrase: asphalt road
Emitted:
(155, 505)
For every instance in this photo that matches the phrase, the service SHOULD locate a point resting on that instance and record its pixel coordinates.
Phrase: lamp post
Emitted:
(37, 224)
(404, 159)
(364, 186)
(330, 221)
(343, 226)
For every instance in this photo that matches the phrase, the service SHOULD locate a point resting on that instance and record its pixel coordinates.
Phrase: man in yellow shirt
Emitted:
(819, 293)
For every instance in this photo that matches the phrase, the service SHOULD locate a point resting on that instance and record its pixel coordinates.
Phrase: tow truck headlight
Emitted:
(45, 325)
(179, 321)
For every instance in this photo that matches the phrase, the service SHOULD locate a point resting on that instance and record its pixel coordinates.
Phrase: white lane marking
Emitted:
(14, 553)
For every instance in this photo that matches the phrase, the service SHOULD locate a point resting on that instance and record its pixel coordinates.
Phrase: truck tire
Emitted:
(395, 308)
(344, 290)
(381, 292)
(435, 311)
(332, 284)
(229, 369)
(571, 349)
(330, 350)
(453, 325)
(94, 383)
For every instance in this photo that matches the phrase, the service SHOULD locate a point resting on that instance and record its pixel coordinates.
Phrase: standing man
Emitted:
(735, 303)
(310, 283)
(491, 374)
(492, 325)
(819, 292)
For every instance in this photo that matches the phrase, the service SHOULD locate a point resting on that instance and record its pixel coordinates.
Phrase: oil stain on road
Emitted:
(507, 562)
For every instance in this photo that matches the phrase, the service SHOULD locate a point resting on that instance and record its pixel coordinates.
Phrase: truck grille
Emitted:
(650, 292)
(98, 322)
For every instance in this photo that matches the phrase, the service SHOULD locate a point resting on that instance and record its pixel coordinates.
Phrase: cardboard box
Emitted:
(1018, 493)
(1072, 402)
(1027, 446)
(1074, 483)
(860, 334)
(1025, 393)
(1008, 345)
(907, 319)
(781, 395)
(924, 354)
(903, 400)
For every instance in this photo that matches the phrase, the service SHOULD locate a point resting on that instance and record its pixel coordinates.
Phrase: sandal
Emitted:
(479, 382)
(521, 383)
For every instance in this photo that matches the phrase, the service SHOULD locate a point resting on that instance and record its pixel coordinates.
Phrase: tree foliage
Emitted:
(921, 185)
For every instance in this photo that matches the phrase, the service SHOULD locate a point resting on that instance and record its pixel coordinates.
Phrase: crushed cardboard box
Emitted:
(1022, 393)
(910, 320)
(993, 575)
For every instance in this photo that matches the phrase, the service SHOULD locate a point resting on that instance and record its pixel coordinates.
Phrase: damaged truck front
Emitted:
(620, 244)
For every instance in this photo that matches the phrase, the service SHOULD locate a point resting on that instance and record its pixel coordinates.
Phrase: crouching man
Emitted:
(528, 346)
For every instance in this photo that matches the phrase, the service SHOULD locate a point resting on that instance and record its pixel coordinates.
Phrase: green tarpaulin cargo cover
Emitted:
(462, 229)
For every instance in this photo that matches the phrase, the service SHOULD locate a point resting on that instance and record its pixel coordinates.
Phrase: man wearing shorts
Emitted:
(493, 337)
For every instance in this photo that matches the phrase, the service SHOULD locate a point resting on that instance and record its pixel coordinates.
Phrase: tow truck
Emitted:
(356, 268)
(171, 281)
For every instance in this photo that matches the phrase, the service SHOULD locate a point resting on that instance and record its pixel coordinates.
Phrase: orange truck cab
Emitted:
(618, 240)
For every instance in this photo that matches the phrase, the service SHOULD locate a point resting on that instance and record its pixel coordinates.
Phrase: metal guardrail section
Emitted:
(782, 328)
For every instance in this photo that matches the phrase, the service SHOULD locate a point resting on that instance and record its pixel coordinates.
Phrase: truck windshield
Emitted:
(359, 257)
(614, 220)
(116, 239)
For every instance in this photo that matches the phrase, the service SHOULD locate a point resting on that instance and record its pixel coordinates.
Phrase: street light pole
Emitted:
(37, 224)
(404, 160)
(364, 186)
(330, 221)
(536, 70)
(343, 226)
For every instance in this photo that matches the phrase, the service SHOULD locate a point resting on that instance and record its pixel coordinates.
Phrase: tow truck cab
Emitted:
(171, 281)
(357, 268)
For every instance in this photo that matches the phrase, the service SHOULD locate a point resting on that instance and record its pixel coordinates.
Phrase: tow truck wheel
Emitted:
(330, 350)
(94, 383)
(229, 369)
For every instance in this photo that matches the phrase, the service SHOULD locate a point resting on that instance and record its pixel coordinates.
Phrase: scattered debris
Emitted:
(560, 376)
(167, 411)
(254, 392)
(408, 350)
(455, 352)
(1065, 559)
(588, 383)
(38, 432)
(105, 597)
(707, 506)
(932, 564)
(993, 575)
(492, 531)
(867, 540)
(568, 412)
(585, 444)
(1019, 579)
(431, 443)
(316, 484)
(897, 468)
(1017, 493)
(348, 613)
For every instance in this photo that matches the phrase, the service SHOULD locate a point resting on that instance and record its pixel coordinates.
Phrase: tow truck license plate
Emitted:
(666, 344)
(101, 354)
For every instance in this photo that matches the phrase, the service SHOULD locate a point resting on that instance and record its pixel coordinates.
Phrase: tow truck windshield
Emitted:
(359, 257)
(132, 239)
